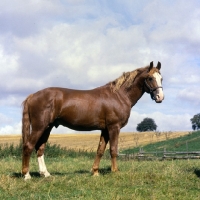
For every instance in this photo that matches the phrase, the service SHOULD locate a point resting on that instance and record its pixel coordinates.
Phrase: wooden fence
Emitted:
(161, 155)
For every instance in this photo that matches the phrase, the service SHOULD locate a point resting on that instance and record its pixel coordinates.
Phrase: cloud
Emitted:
(63, 50)
(191, 95)
(4, 119)
(24, 18)
(11, 129)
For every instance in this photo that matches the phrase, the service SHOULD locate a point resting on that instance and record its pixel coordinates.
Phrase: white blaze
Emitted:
(159, 95)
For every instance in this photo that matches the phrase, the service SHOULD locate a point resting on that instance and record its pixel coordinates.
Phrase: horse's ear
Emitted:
(151, 66)
(158, 65)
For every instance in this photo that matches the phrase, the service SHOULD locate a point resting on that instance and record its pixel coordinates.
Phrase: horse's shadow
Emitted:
(36, 174)
(102, 171)
(105, 171)
(82, 172)
(197, 172)
(19, 175)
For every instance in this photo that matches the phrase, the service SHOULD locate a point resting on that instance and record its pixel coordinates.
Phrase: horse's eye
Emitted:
(150, 78)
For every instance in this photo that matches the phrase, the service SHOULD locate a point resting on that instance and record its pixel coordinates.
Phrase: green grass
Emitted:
(190, 142)
(71, 179)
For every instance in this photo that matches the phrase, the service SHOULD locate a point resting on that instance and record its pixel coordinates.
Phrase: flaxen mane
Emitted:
(127, 78)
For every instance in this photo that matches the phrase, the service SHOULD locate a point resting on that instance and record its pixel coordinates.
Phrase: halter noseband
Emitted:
(151, 90)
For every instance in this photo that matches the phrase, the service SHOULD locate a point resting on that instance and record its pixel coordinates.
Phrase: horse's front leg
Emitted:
(113, 139)
(42, 167)
(100, 151)
(40, 146)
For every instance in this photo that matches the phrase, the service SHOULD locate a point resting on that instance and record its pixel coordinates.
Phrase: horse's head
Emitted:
(153, 83)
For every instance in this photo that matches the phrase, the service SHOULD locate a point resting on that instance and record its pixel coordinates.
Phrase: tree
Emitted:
(195, 122)
(147, 124)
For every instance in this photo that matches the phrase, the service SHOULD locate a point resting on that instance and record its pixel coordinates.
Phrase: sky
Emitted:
(83, 44)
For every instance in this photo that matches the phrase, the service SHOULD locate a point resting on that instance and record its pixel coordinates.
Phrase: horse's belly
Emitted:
(82, 119)
(81, 125)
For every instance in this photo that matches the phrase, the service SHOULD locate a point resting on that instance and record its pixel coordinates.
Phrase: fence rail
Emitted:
(161, 155)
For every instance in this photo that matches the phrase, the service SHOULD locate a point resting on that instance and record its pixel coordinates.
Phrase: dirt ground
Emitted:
(89, 141)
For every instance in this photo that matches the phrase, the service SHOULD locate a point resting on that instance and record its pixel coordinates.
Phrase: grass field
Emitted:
(71, 178)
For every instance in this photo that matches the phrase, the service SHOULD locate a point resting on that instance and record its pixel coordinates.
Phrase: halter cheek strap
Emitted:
(151, 90)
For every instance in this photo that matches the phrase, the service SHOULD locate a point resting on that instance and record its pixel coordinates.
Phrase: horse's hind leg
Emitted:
(40, 146)
(100, 151)
(27, 150)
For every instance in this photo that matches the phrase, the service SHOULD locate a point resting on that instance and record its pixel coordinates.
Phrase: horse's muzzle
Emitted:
(160, 101)
(157, 95)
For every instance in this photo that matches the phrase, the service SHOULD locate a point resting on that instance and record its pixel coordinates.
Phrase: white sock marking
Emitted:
(27, 176)
(42, 166)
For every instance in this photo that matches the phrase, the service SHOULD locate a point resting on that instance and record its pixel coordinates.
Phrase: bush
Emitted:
(10, 150)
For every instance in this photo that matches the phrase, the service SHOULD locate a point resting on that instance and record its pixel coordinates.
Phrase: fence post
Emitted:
(187, 146)
(164, 152)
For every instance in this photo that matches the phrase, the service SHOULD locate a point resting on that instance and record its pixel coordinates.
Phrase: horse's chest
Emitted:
(119, 115)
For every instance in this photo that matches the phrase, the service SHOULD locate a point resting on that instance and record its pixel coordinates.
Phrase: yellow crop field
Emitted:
(89, 141)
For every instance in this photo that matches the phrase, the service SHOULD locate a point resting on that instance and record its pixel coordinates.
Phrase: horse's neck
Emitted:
(135, 92)
(132, 95)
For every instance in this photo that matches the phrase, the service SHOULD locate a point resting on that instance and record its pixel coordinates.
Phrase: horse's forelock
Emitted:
(153, 70)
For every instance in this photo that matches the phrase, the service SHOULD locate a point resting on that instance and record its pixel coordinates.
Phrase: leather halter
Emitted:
(151, 90)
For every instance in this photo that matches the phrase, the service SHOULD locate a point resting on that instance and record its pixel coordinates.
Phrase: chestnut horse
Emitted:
(106, 108)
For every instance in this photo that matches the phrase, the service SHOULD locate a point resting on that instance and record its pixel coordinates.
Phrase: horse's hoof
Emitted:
(96, 174)
(115, 170)
(45, 174)
(27, 176)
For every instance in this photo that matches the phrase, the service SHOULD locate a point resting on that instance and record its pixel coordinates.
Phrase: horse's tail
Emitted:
(25, 120)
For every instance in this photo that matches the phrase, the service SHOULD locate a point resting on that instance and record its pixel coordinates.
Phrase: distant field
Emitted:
(89, 141)
(187, 143)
